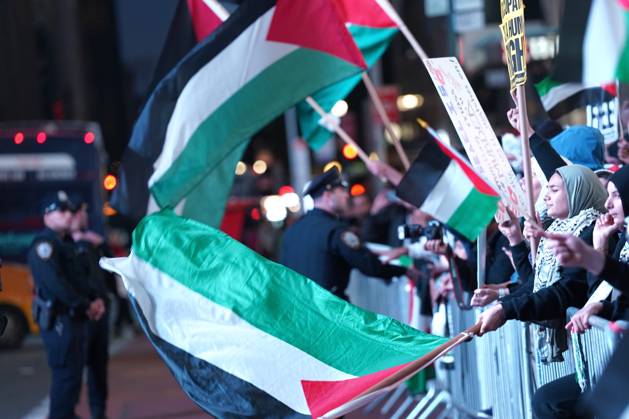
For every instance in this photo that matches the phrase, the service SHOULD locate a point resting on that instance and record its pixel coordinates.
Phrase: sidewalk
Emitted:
(142, 387)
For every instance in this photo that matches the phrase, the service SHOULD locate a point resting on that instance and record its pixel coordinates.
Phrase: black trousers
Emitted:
(559, 399)
(66, 357)
(97, 358)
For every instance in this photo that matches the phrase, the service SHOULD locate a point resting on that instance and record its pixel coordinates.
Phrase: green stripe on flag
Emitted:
(546, 85)
(372, 42)
(622, 70)
(207, 201)
(261, 99)
(275, 299)
(474, 213)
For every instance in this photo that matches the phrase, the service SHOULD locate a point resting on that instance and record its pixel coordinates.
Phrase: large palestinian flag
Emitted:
(247, 337)
(372, 30)
(593, 43)
(443, 184)
(266, 57)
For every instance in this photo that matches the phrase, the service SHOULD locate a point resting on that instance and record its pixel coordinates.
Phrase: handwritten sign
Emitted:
(512, 29)
(474, 130)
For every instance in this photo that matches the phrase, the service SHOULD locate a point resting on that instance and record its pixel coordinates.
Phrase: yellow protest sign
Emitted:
(512, 29)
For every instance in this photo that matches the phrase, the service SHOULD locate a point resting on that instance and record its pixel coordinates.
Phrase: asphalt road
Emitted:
(24, 379)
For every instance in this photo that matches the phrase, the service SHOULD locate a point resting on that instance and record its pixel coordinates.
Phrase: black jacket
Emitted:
(321, 247)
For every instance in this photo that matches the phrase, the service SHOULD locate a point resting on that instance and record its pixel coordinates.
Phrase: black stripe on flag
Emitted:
(589, 96)
(131, 197)
(217, 392)
(568, 65)
(421, 178)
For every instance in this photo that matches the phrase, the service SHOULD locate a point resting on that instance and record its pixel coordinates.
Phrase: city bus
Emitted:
(37, 159)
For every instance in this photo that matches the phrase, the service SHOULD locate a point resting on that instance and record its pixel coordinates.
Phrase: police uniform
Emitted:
(60, 310)
(323, 248)
(96, 331)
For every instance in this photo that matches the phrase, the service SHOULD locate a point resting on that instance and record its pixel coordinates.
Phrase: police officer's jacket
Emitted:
(321, 247)
(53, 264)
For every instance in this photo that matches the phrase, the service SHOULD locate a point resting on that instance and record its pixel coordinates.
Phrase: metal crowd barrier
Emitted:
(492, 376)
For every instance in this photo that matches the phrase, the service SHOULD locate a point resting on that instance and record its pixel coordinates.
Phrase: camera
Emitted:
(432, 231)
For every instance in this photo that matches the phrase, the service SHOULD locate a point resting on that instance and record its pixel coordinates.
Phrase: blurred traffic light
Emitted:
(357, 189)
(109, 182)
(41, 137)
(349, 152)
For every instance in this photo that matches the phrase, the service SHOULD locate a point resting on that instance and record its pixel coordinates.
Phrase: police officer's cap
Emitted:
(58, 202)
(325, 182)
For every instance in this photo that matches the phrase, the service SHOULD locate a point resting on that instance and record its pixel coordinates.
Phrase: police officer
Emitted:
(60, 309)
(90, 247)
(322, 247)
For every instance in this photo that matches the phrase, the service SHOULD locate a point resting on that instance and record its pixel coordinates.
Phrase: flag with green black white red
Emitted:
(594, 43)
(265, 58)
(372, 30)
(443, 184)
(247, 337)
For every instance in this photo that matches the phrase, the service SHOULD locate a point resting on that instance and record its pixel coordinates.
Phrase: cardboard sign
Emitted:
(475, 131)
(512, 30)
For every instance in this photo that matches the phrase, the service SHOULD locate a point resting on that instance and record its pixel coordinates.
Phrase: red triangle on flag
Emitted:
(204, 20)
(365, 13)
(314, 24)
(324, 396)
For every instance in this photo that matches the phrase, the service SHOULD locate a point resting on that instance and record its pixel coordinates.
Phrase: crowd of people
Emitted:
(572, 252)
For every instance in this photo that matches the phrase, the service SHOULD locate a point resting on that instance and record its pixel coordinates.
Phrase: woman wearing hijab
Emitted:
(575, 200)
(610, 276)
(601, 265)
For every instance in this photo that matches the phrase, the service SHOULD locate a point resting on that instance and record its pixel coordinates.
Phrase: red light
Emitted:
(349, 152)
(18, 138)
(110, 182)
(255, 214)
(41, 137)
(89, 138)
(285, 189)
(357, 189)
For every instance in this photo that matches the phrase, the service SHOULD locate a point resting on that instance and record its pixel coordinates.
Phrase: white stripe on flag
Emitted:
(603, 42)
(560, 93)
(245, 58)
(448, 194)
(217, 8)
(217, 335)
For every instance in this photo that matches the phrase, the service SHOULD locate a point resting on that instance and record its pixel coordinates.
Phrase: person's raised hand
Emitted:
(603, 230)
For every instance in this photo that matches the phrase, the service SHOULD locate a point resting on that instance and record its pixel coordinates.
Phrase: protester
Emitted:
(575, 199)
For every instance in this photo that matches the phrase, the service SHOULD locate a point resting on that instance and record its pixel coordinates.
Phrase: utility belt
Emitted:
(45, 312)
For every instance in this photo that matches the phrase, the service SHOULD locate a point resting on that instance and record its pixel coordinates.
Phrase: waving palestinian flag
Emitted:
(247, 337)
(372, 30)
(266, 57)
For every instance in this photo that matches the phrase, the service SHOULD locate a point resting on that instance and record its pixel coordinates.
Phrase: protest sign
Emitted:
(512, 30)
(474, 130)
(601, 112)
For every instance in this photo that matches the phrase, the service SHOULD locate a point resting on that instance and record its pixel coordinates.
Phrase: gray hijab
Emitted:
(586, 202)
(583, 188)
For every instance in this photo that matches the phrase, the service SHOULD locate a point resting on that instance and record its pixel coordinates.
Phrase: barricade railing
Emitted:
(495, 375)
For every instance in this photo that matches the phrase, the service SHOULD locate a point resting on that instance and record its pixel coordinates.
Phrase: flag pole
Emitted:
(373, 94)
(526, 162)
(338, 130)
(404, 29)
(413, 367)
